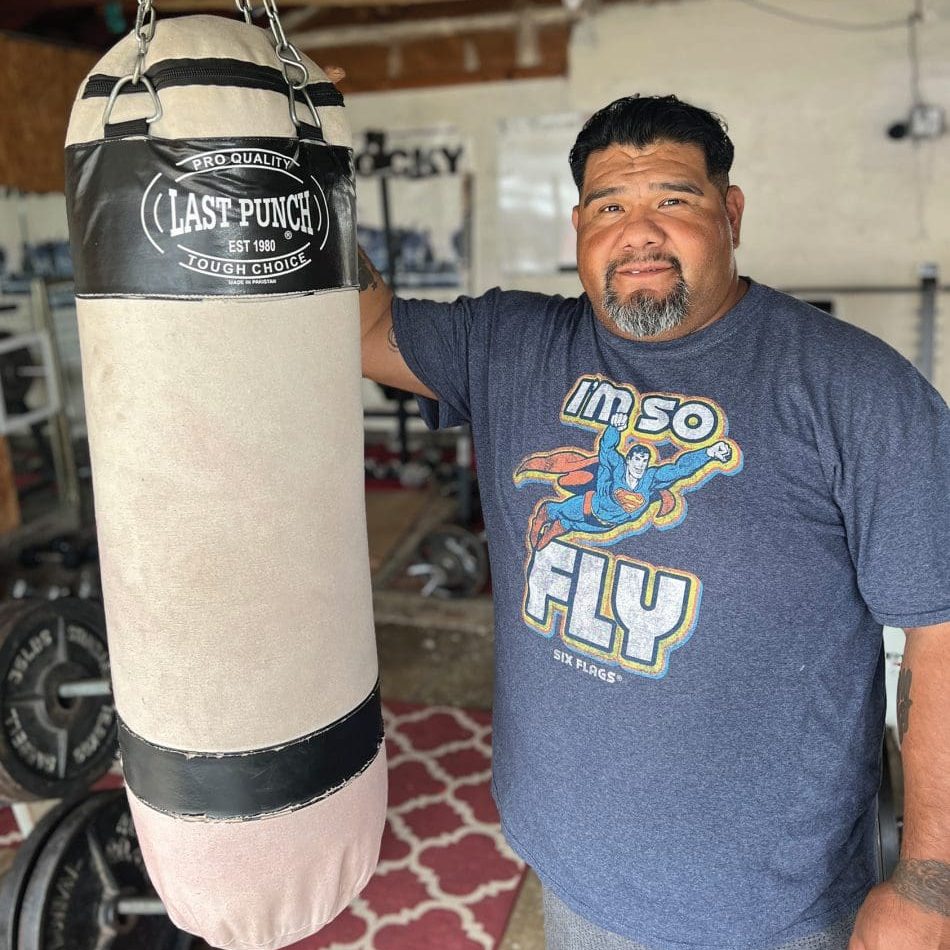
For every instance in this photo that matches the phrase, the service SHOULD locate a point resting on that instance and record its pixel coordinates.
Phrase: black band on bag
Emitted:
(310, 132)
(151, 217)
(123, 130)
(253, 784)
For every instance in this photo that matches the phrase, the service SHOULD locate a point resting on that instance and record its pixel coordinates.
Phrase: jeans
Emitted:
(565, 930)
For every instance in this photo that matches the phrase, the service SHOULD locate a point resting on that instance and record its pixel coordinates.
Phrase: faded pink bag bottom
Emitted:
(272, 880)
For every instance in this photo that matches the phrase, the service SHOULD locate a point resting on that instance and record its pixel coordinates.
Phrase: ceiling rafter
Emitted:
(194, 6)
(432, 29)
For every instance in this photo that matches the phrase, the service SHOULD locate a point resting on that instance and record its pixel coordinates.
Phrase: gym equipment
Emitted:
(889, 824)
(63, 566)
(79, 882)
(57, 718)
(17, 374)
(61, 550)
(928, 288)
(454, 561)
(86, 588)
(211, 206)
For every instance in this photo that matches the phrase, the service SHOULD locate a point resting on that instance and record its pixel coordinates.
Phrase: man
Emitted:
(688, 720)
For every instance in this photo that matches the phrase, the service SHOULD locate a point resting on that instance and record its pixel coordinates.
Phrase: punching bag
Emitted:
(211, 208)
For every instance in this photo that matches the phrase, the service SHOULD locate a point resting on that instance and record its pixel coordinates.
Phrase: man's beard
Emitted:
(643, 313)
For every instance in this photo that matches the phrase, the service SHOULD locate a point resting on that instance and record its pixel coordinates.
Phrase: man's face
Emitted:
(636, 466)
(656, 240)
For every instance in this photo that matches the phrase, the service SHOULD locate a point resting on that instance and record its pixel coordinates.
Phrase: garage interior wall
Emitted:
(830, 199)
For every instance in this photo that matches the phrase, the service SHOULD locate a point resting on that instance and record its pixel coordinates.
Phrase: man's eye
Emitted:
(668, 201)
(610, 208)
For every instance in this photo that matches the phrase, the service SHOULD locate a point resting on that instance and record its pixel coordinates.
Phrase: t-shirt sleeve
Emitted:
(435, 340)
(892, 484)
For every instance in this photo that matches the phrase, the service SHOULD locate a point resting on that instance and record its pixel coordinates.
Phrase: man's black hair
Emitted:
(642, 121)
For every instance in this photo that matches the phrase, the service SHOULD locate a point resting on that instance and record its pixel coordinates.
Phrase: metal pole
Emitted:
(392, 251)
(61, 443)
(141, 906)
(85, 688)
(463, 467)
(855, 289)
(928, 318)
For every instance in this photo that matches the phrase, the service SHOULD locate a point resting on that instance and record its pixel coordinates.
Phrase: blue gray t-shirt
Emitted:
(694, 545)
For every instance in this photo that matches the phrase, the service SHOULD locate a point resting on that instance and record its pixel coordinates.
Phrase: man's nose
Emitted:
(640, 230)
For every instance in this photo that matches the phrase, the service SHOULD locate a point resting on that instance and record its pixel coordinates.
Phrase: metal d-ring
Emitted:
(124, 81)
(308, 100)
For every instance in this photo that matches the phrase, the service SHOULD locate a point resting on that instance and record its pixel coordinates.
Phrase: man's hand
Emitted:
(619, 420)
(721, 451)
(890, 919)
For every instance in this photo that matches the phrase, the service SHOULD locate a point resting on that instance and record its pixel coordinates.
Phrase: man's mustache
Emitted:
(631, 259)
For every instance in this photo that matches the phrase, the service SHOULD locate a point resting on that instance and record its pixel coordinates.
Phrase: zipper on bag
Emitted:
(213, 72)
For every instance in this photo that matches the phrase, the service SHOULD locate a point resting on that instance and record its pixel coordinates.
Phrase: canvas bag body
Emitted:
(215, 260)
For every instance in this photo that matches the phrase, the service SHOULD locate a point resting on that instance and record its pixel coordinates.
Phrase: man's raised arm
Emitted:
(382, 360)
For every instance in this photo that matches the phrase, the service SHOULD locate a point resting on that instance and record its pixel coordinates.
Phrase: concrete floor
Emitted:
(435, 651)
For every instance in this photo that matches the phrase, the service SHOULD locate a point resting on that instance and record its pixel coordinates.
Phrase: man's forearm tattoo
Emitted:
(368, 275)
(903, 701)
(925, 882)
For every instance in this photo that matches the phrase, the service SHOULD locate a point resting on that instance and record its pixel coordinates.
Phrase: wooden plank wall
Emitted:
(9, 499)
(442, 62)
(38, 82)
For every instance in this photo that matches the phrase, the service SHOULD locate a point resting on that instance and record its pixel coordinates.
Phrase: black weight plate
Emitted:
(15, 880)
(90, 860)
(15, 375)
(53, 748)
(460, 556)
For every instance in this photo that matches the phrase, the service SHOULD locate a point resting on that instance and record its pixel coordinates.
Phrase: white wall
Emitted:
(831, 200)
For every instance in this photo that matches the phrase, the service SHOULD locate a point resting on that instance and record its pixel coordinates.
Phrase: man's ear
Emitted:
(735, 205)
(574, 216)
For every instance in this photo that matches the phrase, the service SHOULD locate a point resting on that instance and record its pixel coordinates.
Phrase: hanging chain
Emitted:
(144, 31)
(287, 53)
(290, 62)
(244, 7)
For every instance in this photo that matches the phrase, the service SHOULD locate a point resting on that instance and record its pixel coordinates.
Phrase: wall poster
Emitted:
(419, 179)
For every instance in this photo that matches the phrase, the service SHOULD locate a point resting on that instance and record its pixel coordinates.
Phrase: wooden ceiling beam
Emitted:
(442, 27)
(196, 6)
(445, 62)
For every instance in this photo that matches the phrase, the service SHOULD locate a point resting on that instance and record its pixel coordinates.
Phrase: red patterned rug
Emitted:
(446, 878)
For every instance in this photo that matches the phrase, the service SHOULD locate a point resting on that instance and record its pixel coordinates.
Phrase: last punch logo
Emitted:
(648, 452)
(225, 217)
(255, 234)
